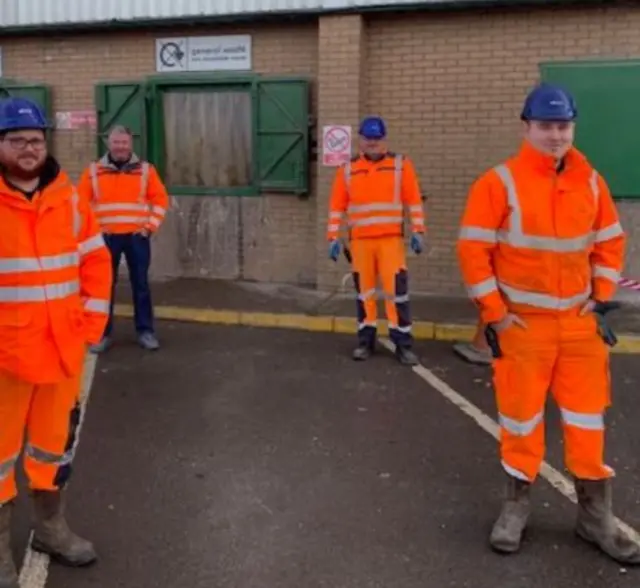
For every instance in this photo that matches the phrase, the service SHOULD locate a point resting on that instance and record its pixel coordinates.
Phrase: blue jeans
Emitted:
(136, 249)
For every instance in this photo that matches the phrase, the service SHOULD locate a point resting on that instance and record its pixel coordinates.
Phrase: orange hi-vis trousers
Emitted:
(566, 355)
(383, 258)
(50, 414)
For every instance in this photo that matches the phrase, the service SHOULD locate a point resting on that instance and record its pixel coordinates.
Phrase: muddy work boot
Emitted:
(52, 535)
(8, 572)
(507, 531)
(405, 356)
(595, 523)
(362, 352)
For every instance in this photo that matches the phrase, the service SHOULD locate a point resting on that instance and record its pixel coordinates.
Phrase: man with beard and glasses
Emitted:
(55, 282)
(541, 249)
(373, 190)
(130, 202)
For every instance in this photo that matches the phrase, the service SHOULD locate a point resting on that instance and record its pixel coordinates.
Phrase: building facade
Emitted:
(230, 99)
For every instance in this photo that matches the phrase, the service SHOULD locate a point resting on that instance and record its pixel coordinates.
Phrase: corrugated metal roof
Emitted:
(29, 13)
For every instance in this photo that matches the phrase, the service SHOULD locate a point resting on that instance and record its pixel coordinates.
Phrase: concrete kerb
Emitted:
(422, 330)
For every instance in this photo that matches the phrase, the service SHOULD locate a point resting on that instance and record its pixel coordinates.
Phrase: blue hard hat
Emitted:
(21, 113)
(373, 128)
(549, 102)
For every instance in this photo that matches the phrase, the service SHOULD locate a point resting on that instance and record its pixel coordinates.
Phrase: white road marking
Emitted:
(561, 483)
(35, 566)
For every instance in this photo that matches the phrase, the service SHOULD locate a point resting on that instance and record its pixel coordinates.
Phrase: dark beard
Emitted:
(21, 174)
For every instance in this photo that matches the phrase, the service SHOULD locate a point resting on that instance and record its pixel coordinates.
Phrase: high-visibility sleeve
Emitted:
(607, 256)
(84, 186)
(96, 274)
(338, 202)
(411, 196)
(484, 213)
(158, 199)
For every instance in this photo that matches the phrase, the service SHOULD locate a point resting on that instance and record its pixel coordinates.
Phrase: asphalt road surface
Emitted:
(249, 458)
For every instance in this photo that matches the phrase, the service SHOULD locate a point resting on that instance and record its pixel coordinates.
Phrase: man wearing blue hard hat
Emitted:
(373, 190)
(540, 250)
(55, 283)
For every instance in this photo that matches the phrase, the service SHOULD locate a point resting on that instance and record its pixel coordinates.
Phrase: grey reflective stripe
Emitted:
(144, 181)
(347, 173)
(366, 295)
(124, 219)
(375, 220)
(397, 179)
(91, 244)
(478, 234)
(334, 227)
(95, 186)
(15, 265)
(520, 428)
(601, 271)
(377, 207)
(159, 210)
(583, 420)
(39, 293)
(155, 221)
(515, 235)
(483, 288)
(364, 325)
(77, 221)
(401, 329)
(544, 300)
(6, 467)
(610, 232)
(124, 206)
(595, 188)
(97, 305)
(415, 208)
(336, 215)
(514, 472)
(47, 457)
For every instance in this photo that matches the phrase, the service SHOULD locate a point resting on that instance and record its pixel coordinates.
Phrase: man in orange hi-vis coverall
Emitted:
(55, 282)
(130, 202)
(540, 250)
(373, 189)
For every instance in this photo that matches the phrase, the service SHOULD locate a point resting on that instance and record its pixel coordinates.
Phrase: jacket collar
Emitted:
(548, 164)
(133, 163)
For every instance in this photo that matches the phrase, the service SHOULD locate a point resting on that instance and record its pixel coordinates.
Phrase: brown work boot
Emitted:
(595, 523)
(8, 572)
(508, 529)
(52, 534)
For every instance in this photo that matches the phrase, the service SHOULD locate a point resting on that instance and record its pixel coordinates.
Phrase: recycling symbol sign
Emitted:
(171, 55)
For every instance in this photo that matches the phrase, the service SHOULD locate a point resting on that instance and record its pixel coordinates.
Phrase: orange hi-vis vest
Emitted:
(55, 281)
(125, 200)
(373, 195)
(536, 238)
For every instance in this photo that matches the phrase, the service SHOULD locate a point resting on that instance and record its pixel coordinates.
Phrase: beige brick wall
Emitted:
(279, 231)
(451, 86)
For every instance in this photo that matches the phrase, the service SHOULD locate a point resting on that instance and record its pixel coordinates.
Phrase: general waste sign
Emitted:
(336, 144)
(220, 53)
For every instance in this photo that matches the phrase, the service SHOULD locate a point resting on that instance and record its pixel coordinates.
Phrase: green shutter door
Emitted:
(122, 103)
(608, 127)
(40, 94)
(282, 135)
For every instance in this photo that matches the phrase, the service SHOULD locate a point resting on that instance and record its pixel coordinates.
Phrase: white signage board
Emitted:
(221, 53)
(336, 145)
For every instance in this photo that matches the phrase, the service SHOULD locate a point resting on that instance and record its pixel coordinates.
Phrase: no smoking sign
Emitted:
(336, 145)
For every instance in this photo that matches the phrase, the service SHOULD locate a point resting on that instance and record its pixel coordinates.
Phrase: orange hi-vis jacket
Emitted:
(535, 238)
(125, 200)
(373, 194)
(55, 280)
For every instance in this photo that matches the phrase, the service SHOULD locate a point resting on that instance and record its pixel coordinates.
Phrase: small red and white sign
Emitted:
(336, 145)
(76, 119)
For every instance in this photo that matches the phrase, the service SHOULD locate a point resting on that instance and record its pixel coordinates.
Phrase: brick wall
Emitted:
(451, 87)
(449, 84)
(278, 231)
